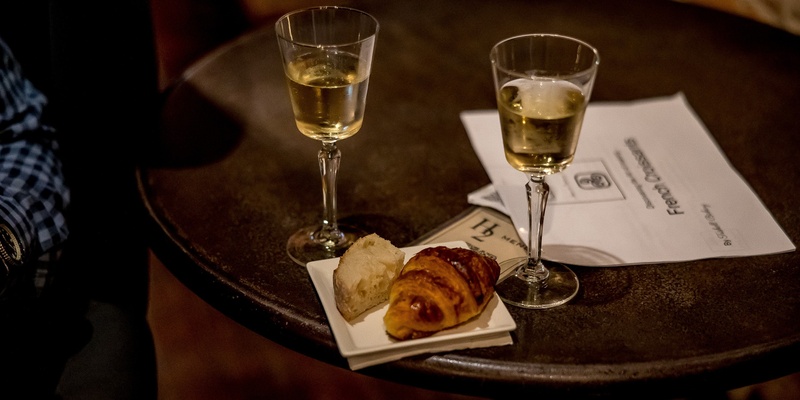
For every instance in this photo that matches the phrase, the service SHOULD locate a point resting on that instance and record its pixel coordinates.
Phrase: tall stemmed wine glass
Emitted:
(542, 84)
(327, 55)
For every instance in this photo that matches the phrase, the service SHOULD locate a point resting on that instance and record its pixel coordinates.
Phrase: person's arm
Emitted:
(33, 194)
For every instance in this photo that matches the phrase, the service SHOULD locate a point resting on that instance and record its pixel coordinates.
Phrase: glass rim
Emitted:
(589, 70)
(314, 8)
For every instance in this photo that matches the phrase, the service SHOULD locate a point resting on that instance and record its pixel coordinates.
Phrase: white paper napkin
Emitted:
(472, 342)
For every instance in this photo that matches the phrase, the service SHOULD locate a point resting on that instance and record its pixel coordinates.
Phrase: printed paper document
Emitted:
(648, 185)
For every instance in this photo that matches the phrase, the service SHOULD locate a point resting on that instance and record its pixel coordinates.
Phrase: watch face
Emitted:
(10, 252)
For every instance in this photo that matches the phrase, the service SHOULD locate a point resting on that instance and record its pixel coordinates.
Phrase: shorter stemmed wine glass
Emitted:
(542, 84)
(327, 56)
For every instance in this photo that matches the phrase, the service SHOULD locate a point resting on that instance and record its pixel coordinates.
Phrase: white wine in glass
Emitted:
(542, 83)
(541, 121)
(328, 98)
(327, 56)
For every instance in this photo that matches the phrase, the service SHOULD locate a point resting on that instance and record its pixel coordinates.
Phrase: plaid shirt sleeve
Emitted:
(33, 194)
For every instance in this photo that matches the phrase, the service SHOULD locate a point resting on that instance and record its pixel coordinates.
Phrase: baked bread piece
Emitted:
(439, 288)
(364, 274)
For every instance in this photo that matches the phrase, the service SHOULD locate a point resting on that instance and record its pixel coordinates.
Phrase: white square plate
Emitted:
(366, 334)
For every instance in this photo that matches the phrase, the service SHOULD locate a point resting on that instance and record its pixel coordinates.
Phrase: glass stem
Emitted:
(329, 158)
(538, 190)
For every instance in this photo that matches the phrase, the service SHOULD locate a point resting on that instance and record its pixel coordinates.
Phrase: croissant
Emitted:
(438, 288)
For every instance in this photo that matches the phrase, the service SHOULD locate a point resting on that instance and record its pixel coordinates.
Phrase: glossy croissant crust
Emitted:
(439, 288)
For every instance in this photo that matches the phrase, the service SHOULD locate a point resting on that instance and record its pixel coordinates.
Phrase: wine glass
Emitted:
(327, 56)
(542, 84)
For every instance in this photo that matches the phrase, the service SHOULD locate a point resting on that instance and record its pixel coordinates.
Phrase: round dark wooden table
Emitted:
(231, 178)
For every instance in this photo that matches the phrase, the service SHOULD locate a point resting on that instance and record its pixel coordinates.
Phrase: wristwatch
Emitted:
(10, 254)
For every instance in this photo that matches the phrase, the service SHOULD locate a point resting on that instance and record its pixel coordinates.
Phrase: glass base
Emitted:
(560, 286)
(306, 245)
